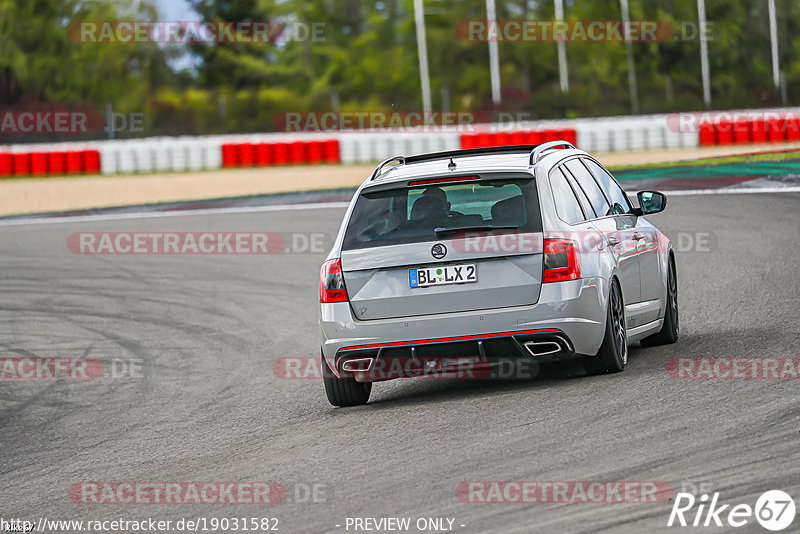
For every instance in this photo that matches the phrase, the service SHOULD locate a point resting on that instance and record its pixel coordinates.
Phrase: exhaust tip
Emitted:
(542, 348)
(357, 365)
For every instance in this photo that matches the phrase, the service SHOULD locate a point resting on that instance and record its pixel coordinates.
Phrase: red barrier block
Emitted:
(330, 150)
(758, 131)
(6, 167)
(568, 134)
(501, 139)
(775, 130)
(792, 129)
(56, 162)
(298, 152)
(534, 138)
(247, 154)
(550, 135)
(314, 150)
(21, 164)
(230, 155)
(263, 154)
(469, 141)
(75, 163)
(724, 131)
(483, 139)
(741, 132)
(91, 161)
(707, 134)
(517, 138)
(38, 163)
(280, 153)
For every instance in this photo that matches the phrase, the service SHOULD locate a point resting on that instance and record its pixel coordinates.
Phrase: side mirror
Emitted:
(650, 202)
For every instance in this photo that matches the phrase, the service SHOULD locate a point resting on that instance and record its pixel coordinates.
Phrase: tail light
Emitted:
(331, 282)
(560, 261)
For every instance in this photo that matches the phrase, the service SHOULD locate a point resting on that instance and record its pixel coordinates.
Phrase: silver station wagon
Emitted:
(455, 262)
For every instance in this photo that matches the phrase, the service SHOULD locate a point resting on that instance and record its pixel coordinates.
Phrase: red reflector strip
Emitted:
(446, 339)
(443, 180)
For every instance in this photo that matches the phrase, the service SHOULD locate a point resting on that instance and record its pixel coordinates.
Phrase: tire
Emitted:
(613, 353)
(344, 391)
(671, 327)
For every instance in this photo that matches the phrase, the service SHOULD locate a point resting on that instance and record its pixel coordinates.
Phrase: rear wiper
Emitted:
(479, 227)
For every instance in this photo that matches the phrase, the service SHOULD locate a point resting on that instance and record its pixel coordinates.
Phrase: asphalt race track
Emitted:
(202, 402)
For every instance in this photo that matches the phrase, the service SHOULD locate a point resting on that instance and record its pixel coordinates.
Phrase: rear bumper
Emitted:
(568, 321)
(475, 356)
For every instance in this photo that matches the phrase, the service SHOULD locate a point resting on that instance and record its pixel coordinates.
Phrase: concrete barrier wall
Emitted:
(596, 135)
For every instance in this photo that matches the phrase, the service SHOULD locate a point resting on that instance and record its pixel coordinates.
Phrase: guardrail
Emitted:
(598, 135)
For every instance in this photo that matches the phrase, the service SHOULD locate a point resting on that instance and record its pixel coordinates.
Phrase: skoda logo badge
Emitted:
(438, 251)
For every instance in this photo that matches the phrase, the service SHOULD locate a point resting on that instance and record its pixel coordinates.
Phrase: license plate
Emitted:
(440, 276)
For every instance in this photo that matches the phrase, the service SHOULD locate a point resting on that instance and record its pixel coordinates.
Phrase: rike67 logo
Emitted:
(774, 510)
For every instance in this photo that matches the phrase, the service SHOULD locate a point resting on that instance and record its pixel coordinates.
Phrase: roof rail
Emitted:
(538, 152)
(379, 168)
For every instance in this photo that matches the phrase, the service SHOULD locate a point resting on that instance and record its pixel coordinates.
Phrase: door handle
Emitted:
(613, 241)
(637, 236)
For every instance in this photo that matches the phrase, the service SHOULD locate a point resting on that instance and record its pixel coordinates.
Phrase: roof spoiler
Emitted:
(536, 153)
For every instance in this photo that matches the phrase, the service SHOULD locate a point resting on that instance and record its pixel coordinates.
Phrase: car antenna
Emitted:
(452, 164)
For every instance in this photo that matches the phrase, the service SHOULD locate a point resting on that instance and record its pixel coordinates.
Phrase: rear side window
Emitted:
(615, 193)
(411, 214)
(589, 185)
(585, 204)
(567, 205)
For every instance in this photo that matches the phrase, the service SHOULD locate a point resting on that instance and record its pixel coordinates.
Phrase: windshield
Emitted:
(412, 214)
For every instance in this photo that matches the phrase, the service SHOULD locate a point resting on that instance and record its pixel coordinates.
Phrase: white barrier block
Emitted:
(380, 146)
(620, 138)
(108, 159)
(143, 154)
(586, 137)
(656, 137)
(126, 162)
(178, 156)
(398, 144)
(161, 157)
(348, 149)
(637, 134)
(194, 155)
(209, 153)
(672, 139)
(689, 139)
(416, 145)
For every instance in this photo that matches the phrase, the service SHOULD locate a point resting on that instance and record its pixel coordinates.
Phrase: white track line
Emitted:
(736, 191)
(177, 213)
(324, 205)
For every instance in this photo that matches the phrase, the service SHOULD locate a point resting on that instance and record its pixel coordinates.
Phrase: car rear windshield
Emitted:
(411, 214)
